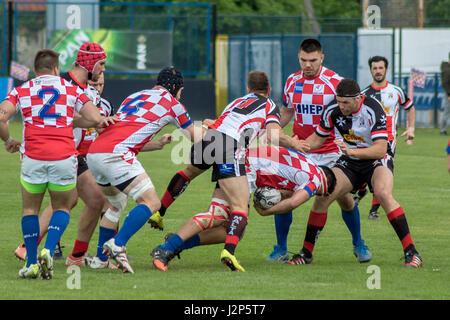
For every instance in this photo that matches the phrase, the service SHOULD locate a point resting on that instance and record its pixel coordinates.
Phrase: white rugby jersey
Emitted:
(47, 104)
(359, 129)
(308, 97)
(247, 116)
(391, 97)
(141, 116)
(282, 168)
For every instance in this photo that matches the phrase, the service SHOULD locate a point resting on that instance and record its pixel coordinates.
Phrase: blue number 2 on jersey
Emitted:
(45, 110)
(132, 107)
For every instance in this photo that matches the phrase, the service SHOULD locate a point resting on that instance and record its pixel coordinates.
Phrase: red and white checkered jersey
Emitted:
(247, 116)
(391, 98)
(142, 115)
(283, 168)
(47, 104)
(81, 142)
(309, 97)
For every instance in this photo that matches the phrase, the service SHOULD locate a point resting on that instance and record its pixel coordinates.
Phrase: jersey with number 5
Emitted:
(142, 115)
(47, 104)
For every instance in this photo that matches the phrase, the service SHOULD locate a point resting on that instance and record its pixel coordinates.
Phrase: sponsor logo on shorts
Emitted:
(226, 168)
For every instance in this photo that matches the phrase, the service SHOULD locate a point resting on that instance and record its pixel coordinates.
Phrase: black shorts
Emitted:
(82, 165)
(222, 152)
(360, 172)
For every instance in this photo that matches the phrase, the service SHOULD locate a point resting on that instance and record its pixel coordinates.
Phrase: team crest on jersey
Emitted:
(350, 136)
(318, 89)
(340, 121)
(298, 88)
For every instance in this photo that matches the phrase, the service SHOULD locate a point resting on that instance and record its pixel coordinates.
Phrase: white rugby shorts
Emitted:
(58, 172)
(324, 159)
(114, 168)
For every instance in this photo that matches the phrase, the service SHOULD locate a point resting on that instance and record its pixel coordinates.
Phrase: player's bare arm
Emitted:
(315, 141)
(284, 206)
(159, 144)
(276, 136)
(193, 133)
(7, 110)
(286, 115)
(411, 121)
(376, 151)
(90, 117)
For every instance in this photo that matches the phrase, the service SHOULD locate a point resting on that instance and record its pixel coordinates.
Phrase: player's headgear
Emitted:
(348, 88)
(171, 79)
(89, 54)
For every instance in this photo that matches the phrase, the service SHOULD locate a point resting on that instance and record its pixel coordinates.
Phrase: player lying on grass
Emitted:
(280, 168)
(222, 149)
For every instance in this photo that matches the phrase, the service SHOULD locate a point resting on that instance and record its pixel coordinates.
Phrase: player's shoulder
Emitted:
(330, 77)
(373, 104)
(293, 78)
(367, 90)
(395, 88)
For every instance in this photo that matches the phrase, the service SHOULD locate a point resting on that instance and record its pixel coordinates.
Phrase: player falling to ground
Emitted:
(306, 93)
(361, 124)
(47, 104)
(391, 98)
(112, 159)
(89, 66)
(223, 148)
(277, 167)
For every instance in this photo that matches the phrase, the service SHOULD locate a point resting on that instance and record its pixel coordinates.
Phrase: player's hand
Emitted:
(12, 146)
(301, 145)
(261, 211)
(207, 122)
(409, 134)
(166, 139)
(107, 121)
(345, 150)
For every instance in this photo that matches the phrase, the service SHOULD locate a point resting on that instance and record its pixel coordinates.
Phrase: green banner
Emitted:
(127, 50)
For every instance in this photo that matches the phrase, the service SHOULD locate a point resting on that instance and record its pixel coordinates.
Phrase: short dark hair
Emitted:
(258, 81)
(310, 45)
(347, 88)
(45, 61)
(378, 59)
(171, 79)
(331, 179)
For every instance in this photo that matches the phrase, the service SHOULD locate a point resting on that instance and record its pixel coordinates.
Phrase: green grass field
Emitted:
(422, 187)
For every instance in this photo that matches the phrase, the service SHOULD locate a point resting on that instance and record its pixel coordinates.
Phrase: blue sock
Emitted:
(173, 243)
(192, 242)
(104, 235)
(134, 221)
(30, 230)
(282, 225)
(352, 220)
(56, 227)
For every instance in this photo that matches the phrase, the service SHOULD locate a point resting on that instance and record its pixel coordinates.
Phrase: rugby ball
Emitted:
(266, 197)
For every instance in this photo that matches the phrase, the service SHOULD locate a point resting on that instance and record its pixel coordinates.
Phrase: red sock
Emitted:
(80, 248)
(175, 188)
(316, 222)
(40, 239)
(374, 201)
(235, 230)
(398, 221)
